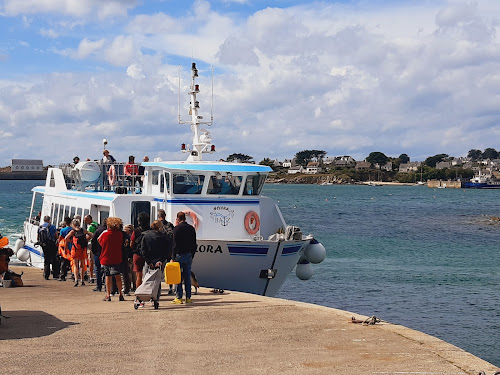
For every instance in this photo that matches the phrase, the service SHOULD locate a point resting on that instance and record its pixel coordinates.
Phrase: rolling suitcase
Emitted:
(150, 288)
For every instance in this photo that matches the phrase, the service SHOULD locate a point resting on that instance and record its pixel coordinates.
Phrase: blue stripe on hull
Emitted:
(291, 250)
(207, 202)
(248, 250)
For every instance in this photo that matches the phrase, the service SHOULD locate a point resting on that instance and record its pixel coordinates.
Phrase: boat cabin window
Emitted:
(185, 183)
(154, 177)
(66, 211)
(36, 208)
(224, 185)
(253, 184)
(103, 214)
(165, 182)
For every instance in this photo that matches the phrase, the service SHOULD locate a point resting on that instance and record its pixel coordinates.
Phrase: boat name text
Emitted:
(208, 249)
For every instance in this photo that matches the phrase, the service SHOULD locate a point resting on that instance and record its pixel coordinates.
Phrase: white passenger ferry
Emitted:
(243, 241)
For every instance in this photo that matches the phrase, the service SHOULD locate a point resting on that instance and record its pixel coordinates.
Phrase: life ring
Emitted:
(252, 222)
(193, 216)
(111, 175)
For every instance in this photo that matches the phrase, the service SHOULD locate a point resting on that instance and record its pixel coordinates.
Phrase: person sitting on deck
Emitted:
(131, 170)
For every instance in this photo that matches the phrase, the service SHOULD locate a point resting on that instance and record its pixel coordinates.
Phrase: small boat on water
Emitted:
(482, 181)
(243, 241)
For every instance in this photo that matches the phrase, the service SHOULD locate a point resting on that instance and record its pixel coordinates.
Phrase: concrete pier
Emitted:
(55, 328)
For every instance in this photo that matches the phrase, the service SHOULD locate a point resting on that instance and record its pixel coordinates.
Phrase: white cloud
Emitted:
(49, 33)
(135, 71)
(89, 47)
(73, 8)
(417, 79)
(121, 51)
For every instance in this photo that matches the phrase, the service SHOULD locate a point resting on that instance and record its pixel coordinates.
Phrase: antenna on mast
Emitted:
(179, 97)
(202, 140)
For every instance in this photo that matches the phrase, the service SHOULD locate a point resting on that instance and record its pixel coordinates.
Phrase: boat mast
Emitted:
(202, 140)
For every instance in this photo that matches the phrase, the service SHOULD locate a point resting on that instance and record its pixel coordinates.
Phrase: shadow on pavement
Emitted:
(29, 324)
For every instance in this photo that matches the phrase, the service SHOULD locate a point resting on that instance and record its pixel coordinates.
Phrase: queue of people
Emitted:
(115, 256)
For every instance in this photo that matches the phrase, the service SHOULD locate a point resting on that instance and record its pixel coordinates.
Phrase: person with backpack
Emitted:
(135, 244)
(91, 227)
(47, 240)
(64, 249)
(80, 239)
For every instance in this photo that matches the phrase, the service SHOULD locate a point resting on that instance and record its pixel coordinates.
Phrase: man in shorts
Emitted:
(111, 241)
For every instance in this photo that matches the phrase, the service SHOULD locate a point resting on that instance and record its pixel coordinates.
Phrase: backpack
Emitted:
(80, 239)
(136, 248)
(45, 237)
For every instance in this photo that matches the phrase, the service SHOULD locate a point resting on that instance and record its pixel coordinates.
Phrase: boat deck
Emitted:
(55, 328)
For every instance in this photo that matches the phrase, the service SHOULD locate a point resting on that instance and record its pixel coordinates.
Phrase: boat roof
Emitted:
(210, 166)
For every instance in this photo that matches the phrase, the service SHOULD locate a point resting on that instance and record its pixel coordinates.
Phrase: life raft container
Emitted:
(252, 222)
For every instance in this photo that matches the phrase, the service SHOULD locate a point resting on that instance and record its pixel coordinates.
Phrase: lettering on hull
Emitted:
(208, 249)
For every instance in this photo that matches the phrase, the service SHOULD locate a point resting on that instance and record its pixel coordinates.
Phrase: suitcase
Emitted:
(150, 288)
(173, 273)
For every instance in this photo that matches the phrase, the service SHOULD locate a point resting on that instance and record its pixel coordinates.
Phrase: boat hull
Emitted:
(258, 267)
(481, 185)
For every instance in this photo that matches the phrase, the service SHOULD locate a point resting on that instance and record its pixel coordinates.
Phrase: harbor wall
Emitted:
(23, 175)
(445, 184)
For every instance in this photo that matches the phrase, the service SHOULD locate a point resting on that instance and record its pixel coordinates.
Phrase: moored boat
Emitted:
(243, 241)
(482, 181)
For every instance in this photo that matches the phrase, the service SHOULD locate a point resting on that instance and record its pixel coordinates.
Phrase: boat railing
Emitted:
(113, 177)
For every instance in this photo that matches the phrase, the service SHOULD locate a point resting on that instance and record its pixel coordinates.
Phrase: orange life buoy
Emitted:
(252, 222)
(193, 216)
(111, 175)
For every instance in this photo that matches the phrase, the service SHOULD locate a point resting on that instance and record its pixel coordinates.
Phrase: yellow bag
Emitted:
(173, 273)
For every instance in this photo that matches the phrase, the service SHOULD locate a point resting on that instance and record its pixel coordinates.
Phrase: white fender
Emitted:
(23, 254)
(315, 252)
(18, 245)
(304, 270)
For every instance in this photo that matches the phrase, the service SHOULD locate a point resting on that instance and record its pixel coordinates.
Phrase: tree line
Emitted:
(306, 156)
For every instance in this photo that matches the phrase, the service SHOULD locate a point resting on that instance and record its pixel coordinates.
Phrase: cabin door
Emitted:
(136, 208)
(99, 213)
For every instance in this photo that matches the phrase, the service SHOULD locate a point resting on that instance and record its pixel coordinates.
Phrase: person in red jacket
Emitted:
(131, 170)
(111, 241)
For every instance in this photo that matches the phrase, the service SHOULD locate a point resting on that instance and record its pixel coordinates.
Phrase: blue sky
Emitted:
(347, 77)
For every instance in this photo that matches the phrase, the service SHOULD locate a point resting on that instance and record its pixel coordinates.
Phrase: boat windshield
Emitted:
(224, 185)
(254, 184)
(186, 183)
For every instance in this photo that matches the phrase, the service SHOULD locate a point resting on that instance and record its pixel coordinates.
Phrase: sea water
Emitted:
(424, 258)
